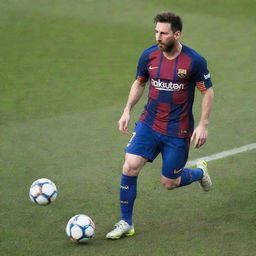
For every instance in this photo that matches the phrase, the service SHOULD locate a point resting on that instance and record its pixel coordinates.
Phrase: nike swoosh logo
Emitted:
(150, 67)
(177, 171)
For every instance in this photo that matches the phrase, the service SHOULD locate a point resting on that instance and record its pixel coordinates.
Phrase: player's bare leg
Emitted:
(170, 183)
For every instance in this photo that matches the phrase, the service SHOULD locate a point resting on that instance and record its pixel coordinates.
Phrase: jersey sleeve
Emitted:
(201, 74)
(142, 68)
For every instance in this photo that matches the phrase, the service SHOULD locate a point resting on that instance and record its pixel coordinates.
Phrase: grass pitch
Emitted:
(66, 69)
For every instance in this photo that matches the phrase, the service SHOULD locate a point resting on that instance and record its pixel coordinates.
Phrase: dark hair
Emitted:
(170, 17)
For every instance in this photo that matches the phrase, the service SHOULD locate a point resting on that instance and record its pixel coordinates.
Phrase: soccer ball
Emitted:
(80, 228)
(43, 191)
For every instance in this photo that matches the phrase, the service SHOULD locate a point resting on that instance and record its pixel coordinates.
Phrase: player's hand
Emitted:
(124, 122)
(199, 136)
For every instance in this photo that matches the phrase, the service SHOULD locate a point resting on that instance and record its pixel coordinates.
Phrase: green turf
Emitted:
(66, 68)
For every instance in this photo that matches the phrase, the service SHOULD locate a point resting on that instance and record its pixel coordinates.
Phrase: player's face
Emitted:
(165, 38)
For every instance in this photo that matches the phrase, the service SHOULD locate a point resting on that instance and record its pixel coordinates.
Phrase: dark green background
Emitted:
(66, 69)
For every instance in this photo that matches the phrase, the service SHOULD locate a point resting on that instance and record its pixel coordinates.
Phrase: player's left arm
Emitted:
(200, 133)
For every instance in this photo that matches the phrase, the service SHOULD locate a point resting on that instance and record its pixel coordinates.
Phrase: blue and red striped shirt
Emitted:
(171, 89)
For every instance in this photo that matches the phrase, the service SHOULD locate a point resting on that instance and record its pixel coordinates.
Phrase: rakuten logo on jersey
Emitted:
(166, 85)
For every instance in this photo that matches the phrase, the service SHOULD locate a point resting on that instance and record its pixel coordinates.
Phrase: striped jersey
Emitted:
(171, 89)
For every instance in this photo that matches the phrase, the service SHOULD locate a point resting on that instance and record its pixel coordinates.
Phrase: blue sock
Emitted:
(190, 175)
(128, 192)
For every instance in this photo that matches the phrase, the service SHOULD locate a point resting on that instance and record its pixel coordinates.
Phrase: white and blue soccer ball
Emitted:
(43, 191)
(80, 228)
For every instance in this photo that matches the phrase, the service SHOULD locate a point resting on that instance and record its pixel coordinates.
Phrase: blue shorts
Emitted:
(148, 143)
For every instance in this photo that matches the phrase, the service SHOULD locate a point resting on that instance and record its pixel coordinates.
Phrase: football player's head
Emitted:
(168, 30)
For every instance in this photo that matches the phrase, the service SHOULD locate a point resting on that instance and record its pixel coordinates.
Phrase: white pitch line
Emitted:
(223, 154)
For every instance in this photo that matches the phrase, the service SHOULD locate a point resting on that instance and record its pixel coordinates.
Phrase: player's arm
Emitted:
(135, 94)
(200, 133)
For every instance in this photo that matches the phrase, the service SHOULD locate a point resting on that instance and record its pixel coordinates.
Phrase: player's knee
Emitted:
(130, 169)
(170, 184)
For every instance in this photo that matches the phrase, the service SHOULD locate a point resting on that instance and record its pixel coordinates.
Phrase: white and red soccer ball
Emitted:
(43, 191)
(80, 228)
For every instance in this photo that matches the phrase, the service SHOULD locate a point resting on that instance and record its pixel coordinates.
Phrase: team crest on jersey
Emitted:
(182, 73)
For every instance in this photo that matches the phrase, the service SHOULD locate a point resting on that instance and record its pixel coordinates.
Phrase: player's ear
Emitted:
(177, 35)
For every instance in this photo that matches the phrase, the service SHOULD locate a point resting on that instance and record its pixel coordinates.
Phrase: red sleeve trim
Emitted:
(201, 86)
(142, 79)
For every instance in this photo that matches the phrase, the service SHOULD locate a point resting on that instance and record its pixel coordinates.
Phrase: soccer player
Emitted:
(166, 126)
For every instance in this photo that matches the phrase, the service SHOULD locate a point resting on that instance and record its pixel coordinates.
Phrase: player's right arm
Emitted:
(135, 94)
(136, 91)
